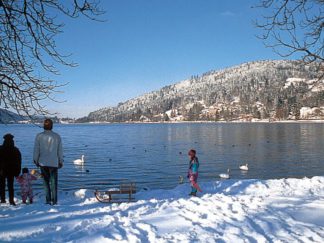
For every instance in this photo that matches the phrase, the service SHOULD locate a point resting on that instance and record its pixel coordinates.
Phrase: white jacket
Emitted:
(48, 149)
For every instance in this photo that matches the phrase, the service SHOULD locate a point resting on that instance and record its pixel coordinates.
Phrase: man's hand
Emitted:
(60, 165)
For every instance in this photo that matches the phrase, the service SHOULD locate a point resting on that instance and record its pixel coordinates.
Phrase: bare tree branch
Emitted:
(294, 27)
(27, 48)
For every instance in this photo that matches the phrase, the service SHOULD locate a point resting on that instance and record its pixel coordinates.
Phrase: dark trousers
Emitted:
(50, 184)
(10, 184)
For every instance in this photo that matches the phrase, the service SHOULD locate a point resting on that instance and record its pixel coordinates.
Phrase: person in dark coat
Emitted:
(10, 166)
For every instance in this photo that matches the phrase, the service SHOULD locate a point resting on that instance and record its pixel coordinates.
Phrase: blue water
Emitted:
(155, 155)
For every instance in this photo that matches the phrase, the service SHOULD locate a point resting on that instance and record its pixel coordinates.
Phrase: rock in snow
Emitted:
(285, 210)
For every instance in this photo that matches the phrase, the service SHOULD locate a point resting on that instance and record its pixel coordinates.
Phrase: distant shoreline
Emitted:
(208, 122)
(181, 122)
(204, 122)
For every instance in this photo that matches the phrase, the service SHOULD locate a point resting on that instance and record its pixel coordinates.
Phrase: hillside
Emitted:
(274, 90)
(9, 117)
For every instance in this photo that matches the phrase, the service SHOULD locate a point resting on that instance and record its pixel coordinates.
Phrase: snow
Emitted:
(182, 85)
(284, 210)
(308, 112)
(314, 85)
(168, 112)
(236, 100)
(293, 81)
(305, 112)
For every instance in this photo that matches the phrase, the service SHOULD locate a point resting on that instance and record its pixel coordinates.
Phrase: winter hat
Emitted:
(8, 141)
(8, 136)
(25, 170)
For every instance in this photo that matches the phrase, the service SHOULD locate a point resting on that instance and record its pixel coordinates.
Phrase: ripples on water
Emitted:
(155, 155)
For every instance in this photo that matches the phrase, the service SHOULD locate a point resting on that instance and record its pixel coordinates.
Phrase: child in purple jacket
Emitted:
(25, 181)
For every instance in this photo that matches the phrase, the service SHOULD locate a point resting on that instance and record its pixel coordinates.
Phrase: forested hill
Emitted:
(274, 90)
(9, 117)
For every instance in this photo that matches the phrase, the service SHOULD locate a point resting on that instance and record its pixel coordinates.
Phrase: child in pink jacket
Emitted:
(25, 181)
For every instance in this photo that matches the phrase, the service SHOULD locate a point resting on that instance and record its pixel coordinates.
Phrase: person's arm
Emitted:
(1, 163)
(36, 151)
(18, 163)
(194, 167)
(189, 170)
(60, 153)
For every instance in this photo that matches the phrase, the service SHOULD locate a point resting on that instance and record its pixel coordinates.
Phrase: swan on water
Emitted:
(79, 161)
(244, 167)
(225, 175)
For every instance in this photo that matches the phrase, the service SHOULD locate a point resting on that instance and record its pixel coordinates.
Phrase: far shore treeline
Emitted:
(254, 91)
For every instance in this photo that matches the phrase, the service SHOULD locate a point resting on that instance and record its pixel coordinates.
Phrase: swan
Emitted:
(79, 161)
(244, 167)
(225, 175)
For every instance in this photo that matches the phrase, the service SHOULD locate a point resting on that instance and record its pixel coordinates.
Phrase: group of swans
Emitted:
(244, 167)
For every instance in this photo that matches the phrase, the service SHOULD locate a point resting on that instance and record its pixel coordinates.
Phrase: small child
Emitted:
(193, 172)
(25, 181)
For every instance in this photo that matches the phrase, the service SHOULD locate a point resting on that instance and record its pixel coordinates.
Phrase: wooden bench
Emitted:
(117, 194)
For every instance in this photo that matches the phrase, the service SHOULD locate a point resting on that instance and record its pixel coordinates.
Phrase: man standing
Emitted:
(48, 155)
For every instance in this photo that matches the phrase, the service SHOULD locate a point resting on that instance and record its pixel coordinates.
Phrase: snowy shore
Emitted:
(285, 210)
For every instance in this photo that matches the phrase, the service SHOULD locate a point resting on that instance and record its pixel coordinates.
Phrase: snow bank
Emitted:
(308, 112)
(293, 81)
(285, 210)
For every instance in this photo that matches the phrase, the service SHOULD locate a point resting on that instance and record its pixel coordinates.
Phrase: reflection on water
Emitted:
(154, 155)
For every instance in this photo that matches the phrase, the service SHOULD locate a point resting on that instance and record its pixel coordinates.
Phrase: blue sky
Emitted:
(147, 44)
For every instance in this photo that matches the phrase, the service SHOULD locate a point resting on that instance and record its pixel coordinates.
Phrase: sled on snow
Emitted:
(117, 193)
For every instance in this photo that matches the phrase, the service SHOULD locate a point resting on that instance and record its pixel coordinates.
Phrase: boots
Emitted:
(12, 203)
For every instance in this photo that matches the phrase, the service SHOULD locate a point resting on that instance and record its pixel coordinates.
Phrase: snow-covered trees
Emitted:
(260, 90)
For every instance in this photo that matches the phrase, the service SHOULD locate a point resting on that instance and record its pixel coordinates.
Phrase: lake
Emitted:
(155, 155)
